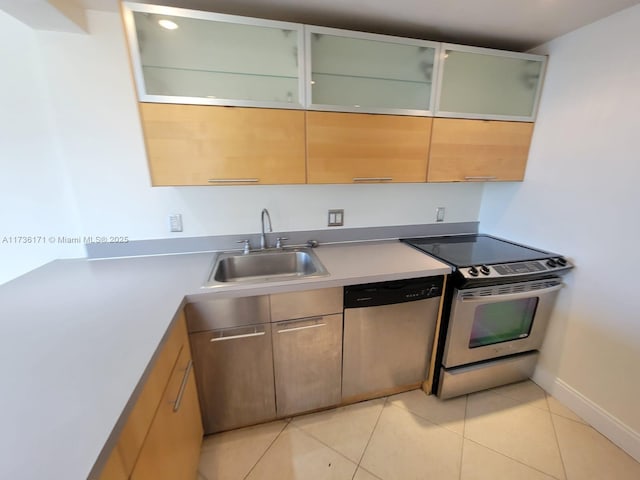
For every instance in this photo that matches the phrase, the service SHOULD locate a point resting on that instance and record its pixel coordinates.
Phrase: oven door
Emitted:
(491, 322)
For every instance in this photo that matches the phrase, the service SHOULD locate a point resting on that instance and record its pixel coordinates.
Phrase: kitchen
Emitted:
(72, 94)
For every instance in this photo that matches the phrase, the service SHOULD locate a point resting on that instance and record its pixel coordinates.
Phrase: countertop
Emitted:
(78, 335)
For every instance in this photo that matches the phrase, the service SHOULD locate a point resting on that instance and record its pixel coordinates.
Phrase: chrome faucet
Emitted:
(263, 240)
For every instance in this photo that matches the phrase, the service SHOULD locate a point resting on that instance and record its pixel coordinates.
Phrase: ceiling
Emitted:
(508, 24)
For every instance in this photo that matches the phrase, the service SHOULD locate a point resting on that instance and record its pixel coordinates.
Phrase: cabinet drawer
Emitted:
(172, 447)
(141, 416)
(309, 303)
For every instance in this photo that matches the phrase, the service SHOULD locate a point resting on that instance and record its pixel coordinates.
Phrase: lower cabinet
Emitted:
(172, 447)
(250, 370)
(162, 435)
(234, 369)
(307, 360)
(478, 150)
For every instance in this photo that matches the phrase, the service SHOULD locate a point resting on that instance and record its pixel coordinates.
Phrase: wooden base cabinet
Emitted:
(478, 150)
(207, 145)
(172, 447)
(162, 435)
(365, 148)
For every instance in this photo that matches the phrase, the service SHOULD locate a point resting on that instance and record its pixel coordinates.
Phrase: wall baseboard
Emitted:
(611, 427)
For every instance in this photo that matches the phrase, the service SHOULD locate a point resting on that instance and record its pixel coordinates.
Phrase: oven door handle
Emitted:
(509, 296)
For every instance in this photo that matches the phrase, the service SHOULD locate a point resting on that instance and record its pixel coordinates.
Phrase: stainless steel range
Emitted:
(498, 302)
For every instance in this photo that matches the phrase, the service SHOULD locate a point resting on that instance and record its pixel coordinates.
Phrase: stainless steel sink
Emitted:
(265, 266)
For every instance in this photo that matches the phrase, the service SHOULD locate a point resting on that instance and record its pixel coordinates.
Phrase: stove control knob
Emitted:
(551, 263)
(473, 271)
(561, 262)
(485, 270)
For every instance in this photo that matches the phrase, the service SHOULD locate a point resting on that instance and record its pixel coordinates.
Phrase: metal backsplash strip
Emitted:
(166, 246)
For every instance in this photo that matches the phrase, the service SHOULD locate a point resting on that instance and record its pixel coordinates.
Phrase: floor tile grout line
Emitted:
(514, 459)
(555, 434)
(425, 419)
(364, 450)
(287, 422)
(313, 437)
(464, 431)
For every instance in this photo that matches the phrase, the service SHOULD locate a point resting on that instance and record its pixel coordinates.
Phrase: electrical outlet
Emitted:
(440, 214)
(175, 222)
(336, 218)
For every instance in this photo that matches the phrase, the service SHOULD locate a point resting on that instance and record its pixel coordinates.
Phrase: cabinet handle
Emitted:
(183, 386)
(233, 180)
(372, 179)
(480, 178)
(235, 337)
(306, 327)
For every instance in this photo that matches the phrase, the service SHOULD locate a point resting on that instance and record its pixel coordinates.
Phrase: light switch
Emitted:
(336, 218)
(175, 222)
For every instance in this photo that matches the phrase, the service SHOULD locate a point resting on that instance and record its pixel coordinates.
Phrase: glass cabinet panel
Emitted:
(352, 71)
(489, 83)
(215, 59)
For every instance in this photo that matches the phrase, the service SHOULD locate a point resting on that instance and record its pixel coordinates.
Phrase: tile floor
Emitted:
(512, 432)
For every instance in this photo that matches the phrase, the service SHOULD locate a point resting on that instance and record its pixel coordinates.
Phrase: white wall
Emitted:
(100, 135)
(34, 196)
(580, 198)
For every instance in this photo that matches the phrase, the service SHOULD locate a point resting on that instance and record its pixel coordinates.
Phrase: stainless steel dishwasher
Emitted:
(389, 329)
(232, 355)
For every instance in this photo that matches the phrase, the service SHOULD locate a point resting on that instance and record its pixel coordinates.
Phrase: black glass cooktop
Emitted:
(469, 250)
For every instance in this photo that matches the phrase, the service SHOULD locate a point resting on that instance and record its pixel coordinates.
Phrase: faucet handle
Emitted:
(247, 246)
(279, 241)
(312, 243)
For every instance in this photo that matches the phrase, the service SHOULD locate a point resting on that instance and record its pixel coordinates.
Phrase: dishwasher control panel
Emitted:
(389, 293)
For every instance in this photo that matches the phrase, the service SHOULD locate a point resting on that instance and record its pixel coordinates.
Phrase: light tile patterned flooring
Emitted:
(512, 432)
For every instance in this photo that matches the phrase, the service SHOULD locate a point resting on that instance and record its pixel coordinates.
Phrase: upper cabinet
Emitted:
(193, 57)
(489, 84)
(363, 72)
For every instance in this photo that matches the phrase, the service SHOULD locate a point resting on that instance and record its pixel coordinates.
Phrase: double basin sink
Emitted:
(265, 266)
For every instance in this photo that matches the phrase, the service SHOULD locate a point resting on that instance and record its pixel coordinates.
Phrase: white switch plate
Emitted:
(440, 214)
(175, 222)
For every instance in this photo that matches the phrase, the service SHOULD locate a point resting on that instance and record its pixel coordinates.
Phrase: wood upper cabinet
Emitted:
(478, 150)
(363, 148)
(205, 145)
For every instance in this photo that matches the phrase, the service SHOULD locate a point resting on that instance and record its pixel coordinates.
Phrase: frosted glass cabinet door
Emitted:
(187, 56)
(363, 72)
(490, 84)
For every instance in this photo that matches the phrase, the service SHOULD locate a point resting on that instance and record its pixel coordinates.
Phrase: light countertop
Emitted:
(78, 336)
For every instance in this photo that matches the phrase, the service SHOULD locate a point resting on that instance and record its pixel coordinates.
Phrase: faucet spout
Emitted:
(263, 240)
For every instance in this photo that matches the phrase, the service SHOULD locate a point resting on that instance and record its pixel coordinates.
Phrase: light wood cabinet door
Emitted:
(363, 148)
(206, 145)
(114, 469)
(172, 448)
(478, 150)
(135, 430)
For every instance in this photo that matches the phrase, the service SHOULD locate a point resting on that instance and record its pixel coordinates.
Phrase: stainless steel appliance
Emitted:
(497, 308)
(233, 362)
(389, 329)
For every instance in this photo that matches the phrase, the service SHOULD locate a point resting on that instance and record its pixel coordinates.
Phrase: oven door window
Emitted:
(502, 321)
